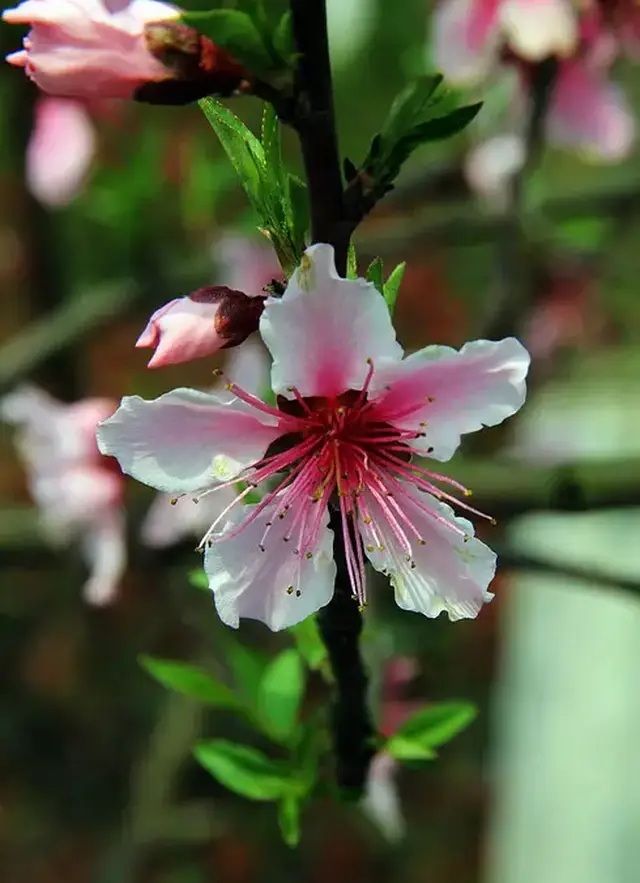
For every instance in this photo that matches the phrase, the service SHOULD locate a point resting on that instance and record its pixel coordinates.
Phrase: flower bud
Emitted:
(134, 49)
(200, 324)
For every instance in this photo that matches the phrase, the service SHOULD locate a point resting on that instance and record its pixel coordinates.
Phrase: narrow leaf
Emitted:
(437, 724)
(408, 749)
(374, 274)
(408, 106)
(352, 262)
(289, 820)
(189, 680)
(281, 691)
(309, 643)
(299, 202)
(244, 770)
(391, 287)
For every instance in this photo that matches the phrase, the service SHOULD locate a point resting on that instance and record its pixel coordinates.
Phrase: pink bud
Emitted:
(200, 324)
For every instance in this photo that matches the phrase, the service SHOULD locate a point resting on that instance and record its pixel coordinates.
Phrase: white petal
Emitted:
(535, 30)
(248, 366)
(185, 440)
(105, 549)
(248, 583)
(167, 523)
(381, 801)
(324, 328)
(449, 575)
(481, 385)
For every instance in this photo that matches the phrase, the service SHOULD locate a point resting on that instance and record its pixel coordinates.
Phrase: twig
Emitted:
(595, 578)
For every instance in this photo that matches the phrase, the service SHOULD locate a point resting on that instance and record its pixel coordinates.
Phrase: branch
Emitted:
(314, 122)
(594, 578)
(340, 624)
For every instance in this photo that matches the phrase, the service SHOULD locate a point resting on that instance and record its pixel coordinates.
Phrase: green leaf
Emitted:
(299, 202)
(309, 643)
(189, 680)
(198, 579)
(429, 728)
(244, 770)
(391, 287)
(352, 262)
(282, 38)
(271, 141)
(281, 691)
(241, 146)
(374, 274)
(408, 106)
(247, 667)
(289, 820)
(234, 31)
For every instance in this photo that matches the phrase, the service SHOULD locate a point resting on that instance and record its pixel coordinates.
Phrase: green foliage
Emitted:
(289, 819)
(422, 113)
(280, 694)
(391, 287)
(278, 197)
(429, 728)
(199, 579)
(352, 262)
(374, 273)
(245, 770)
(309, 643)
(189, 680)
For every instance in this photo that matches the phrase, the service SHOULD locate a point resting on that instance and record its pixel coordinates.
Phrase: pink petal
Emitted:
(185, 440)
(590, 114)
(245, 264)
(465, 38)
(105, 549)
(250, 584)
(450, 574)
(324, 329)
(182, 330)
(481, 385)
(60, 150)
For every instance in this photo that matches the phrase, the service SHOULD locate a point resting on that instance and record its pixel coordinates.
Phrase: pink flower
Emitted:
(200, 324)
(60, 150)
(589, 113)
(86, 48)
(246, 264)
(468, 35)
(77, 491)
(170, 520)
(350, 415)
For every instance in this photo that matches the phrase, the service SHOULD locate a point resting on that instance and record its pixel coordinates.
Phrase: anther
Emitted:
(367, 519)
(422, 542)
(371, 548)
(430, 450)
(298, 593)
(261, 547)
(468, 493)
(466, 538)
(289, 590)
(308, 555)
(217, 372)
(173, 501)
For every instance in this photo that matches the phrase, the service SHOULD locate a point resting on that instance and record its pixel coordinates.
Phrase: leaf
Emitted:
(189, 680)
(247, 667)
(234, 31)
(391, 287)
(244, 770)
(271, 142)
(198, 579)
(408, 106)
(299, 202)
(281, 690)
(309, 643)
(282, 38)
(241, 146)
(429, 728)
(352, 262)
(375, 274)
(289, 820)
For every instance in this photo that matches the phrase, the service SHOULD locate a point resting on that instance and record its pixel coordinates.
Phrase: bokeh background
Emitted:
(96, 780)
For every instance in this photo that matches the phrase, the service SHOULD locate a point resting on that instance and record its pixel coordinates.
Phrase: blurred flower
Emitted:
(490, 166)
(170, 521)
(120, 49)
(381, 801)
(200, 324)
(246, 264)
(60, 150)
(468, 35)
(350, 414)
(78, 492)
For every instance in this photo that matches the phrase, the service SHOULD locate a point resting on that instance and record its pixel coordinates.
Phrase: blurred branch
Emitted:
(509, 560)
(455, 226)
(513, 284)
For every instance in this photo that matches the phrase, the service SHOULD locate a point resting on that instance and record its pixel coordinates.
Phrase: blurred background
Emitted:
(108, 212)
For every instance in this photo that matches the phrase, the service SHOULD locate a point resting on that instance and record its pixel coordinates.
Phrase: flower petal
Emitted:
(185, 440)
(324, 328)
(168, 522)
(381, 801)
(465, 38)
(453, 392)
(450, 574)
(535, 30)
(105, 549)
(248, 583)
